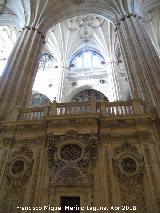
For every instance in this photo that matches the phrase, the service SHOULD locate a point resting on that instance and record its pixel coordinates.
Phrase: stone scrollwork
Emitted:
(70, 152)
(19, 166)
(71, 134)
(51, 150)
(127, 163)
(125, 147)
(71, 156)
(18, 170)
(94, 147)
(70, 175)
(128, 166)
(84, 24)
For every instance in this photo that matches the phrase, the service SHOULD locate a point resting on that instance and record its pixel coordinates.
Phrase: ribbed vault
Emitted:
(44, 14)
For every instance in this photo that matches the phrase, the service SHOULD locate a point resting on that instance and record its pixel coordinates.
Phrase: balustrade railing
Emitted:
(73, 108)
(119, 108)
(31, 113)
(105, 108)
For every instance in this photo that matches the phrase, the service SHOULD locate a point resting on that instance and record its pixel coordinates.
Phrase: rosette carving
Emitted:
(19, 167)
(71, 156)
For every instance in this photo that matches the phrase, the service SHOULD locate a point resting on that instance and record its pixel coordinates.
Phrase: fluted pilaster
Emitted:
(19, 74)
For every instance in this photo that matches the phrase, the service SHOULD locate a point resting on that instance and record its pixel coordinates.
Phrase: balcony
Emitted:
(88, 108)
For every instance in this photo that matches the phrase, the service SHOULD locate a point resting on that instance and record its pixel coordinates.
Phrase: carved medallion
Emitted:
(128, 166)
(71, 156)
(70, 172)
(20, 165)
(70, 152)
(17, 166)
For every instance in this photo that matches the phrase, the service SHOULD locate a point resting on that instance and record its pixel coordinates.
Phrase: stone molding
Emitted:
(72, 171)
(34, 29)
(19, 166)
(124, 18)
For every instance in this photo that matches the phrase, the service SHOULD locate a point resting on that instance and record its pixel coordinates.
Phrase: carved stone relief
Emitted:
(71, 157)
(84, 24)
(19, 166)
(128, 166)
(70, 152)
(18, 170)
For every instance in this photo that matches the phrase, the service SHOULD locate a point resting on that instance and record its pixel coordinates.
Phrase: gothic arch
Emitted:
(88, 94)
(81, 89)
(14, 13)
(69, 11)
(77, 90)
(38, 99)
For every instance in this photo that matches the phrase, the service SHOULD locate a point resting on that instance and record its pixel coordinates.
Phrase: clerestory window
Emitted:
(87, 59)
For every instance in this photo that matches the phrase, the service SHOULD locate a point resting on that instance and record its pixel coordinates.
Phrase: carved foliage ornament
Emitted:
(128, 163)
(70, 156)
(128, 166)
(18, 170)
(19, 166)
(85, 25)
(70, 175)
(70, 152)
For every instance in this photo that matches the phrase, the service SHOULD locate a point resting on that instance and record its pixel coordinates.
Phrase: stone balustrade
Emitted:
(104, 108)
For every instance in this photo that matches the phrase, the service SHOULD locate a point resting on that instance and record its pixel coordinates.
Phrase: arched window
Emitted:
(47, 77)
(47, 61)
(38, 99)
(87, 59)
(87, 94)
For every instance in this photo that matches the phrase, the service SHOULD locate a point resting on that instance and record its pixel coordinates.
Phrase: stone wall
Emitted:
(106, 161)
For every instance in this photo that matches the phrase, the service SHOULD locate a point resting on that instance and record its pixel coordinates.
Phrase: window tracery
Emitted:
(87, 94)
(46, 61)
(87, 59)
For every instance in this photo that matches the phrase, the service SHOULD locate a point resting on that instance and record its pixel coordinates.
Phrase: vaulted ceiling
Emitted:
(37, 12)
(47, 13)
(152, 24)
(67, 38)
(80, 32)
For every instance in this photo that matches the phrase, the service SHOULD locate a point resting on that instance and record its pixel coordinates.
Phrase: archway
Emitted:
(88, 94)
(70, 9)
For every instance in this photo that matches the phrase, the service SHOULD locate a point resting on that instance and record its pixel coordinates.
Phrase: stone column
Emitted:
(142, 62)
(19, 74)
(116, 68)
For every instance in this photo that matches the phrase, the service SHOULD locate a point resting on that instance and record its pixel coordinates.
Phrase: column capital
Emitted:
(34, 29)
(123, 18)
